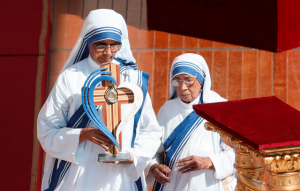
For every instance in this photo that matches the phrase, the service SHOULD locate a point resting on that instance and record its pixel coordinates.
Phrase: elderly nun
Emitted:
(70, 140)
(192, 158)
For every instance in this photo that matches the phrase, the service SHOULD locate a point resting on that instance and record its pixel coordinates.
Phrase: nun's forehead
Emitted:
(103, 33)
(186, 67)
(106, 40)
(186, 75)
(190, 68)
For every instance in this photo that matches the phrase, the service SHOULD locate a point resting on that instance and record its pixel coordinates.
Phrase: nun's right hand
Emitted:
(159, 171)
(95, 136)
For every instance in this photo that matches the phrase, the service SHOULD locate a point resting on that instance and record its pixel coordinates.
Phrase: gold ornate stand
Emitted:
(281, 164)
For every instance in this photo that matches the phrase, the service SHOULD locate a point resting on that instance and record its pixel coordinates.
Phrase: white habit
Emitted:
(62, 142)
(202, 143)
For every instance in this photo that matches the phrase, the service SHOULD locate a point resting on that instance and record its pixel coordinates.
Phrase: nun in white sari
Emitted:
(70, 140)
(192, 158)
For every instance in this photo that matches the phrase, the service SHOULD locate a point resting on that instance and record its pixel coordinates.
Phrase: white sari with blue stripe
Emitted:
(71, 165)
(62, 142)
(201, 143)
(184, 135)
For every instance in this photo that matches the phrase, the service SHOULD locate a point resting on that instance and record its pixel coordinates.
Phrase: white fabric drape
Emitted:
(103, 18)
(202, 143)
(200, 62)
(62, 142)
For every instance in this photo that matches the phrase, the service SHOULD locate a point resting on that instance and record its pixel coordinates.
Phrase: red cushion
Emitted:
(269, 24)
(262, 123)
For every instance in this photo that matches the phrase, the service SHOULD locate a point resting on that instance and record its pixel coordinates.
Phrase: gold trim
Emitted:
(284, 181)
(38, 94)
(279, 151)
(281, 164)
(250, 174)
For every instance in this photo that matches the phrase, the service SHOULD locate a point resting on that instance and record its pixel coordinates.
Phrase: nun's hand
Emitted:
(193, 163)
(95, 136)
(159, 171)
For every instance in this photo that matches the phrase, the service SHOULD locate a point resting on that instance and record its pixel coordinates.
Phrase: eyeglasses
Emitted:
(188, 82)
(113, 47)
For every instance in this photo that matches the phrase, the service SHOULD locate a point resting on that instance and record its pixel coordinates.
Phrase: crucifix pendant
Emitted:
(111, 94)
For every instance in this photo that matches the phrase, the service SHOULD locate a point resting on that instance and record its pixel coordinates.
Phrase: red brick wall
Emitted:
(237, 72)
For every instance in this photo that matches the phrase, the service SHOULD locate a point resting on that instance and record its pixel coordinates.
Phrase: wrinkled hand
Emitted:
(96, 136)
(193, 163)
(158, 171)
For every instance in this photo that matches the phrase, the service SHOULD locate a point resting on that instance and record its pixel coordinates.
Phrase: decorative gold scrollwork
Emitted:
(250, 173)
(283, 163)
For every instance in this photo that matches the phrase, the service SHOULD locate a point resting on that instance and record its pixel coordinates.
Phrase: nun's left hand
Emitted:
(193, 163)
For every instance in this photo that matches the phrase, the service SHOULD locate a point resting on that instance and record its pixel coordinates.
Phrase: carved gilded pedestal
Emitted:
(281, 164)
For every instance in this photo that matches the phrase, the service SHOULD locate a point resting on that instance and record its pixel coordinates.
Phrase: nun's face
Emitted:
(105, 55)
(187, 93)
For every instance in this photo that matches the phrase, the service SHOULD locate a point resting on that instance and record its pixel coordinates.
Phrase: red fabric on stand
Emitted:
(269, 25)
(262, 123)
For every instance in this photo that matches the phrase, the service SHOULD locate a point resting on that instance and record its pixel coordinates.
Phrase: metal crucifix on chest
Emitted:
(111, 98)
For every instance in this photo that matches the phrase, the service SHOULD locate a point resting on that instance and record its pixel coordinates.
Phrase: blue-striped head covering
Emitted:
(194, 65)
(103, 33)
(184, 67)
(99, 25)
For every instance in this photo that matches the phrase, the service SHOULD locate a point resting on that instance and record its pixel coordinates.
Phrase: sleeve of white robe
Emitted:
(223, 162)
(157, 159)
(147, 141)
(56, 139)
